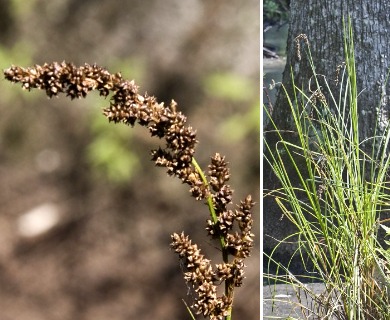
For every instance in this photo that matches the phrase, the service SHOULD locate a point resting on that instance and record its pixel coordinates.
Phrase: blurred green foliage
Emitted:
(20, 7)
(18, 54)
(233, 88)
(238, 126)
(228, 86)
(131, 68)
(275, 11)
(110, 151)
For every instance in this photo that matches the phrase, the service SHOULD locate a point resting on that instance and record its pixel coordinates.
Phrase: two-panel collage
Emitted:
(193, 159)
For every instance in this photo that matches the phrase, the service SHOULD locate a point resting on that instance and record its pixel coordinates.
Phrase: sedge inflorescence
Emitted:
(231, 227)
(204, 278)
(126, 106)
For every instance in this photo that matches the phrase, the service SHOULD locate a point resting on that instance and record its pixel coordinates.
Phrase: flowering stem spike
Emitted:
(129, 107)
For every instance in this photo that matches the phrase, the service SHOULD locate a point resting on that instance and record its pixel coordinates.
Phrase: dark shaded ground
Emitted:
(108, 256)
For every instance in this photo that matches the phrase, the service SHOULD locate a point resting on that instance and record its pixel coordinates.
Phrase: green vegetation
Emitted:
(334, 189)
(276, 11)
(228, 88)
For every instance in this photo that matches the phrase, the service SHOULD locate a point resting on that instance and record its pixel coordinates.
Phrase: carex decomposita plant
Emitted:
(334, 187)
(232, 227)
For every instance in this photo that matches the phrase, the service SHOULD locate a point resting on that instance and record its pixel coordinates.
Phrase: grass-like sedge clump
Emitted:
(335, 190)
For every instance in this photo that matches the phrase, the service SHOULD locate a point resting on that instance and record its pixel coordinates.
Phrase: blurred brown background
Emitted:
(85, 217)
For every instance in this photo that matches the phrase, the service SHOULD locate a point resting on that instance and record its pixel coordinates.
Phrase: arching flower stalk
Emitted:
(231, 227)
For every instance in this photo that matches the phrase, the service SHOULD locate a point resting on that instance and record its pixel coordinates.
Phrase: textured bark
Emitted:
(322, 22)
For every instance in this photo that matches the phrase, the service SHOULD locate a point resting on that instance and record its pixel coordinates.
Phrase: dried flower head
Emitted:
(201, 277)
(126, 106)
(298, 39)
(337, 73)
(232, 227)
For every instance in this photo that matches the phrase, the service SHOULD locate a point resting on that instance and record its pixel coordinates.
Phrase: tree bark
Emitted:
(322, 23)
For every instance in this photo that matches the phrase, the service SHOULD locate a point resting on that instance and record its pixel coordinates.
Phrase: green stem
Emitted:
(214, 218)
(210, 205)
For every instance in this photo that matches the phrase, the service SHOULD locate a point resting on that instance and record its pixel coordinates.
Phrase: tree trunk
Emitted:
(322, 23)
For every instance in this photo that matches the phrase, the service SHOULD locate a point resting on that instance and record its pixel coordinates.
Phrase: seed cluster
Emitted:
(126, 106)
(298, 39)
(232, 227)
(201, 276)
(239, 243)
